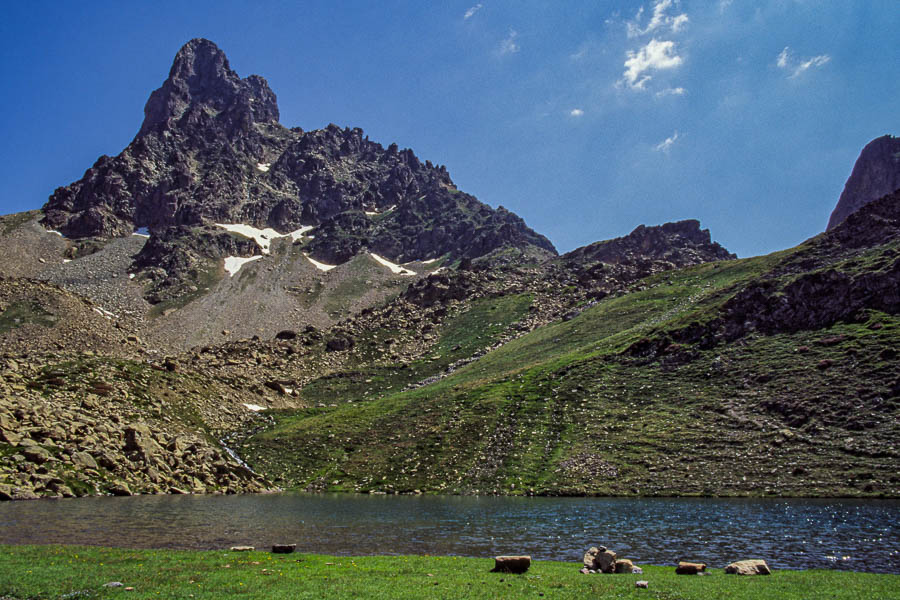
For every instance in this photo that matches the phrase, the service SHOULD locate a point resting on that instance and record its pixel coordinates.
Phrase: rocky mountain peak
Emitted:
(202, 80)
(211, 151)
(875, 174)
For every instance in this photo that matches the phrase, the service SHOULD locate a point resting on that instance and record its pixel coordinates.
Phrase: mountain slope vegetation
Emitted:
(656, 391)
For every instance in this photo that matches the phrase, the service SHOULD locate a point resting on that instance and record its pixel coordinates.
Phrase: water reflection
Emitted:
(843, 534)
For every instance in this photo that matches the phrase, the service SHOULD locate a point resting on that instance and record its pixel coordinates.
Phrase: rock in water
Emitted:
(511, 564)
(748, 567)
(688, 568)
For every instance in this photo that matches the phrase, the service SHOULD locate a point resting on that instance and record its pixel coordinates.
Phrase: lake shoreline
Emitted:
(80, 571)
(862, 535)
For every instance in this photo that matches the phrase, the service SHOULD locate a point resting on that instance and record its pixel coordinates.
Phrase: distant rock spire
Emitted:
(875, 174)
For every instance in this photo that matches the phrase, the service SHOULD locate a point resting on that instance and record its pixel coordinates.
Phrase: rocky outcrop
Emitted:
(820, 284)
(875, 174)
(211, 150)
(681, 244)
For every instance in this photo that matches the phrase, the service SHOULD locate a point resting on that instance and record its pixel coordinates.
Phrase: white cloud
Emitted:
(787, 62)
(666, 145)
(576, 112)
(471, 12)
(656, 55)
(678, 91)
(660, 19)
(581, 53)
(679, 22)
(815, 61)
(634, 27)
(782, 60)
(724, 4)
(659, 14)
(509, 45)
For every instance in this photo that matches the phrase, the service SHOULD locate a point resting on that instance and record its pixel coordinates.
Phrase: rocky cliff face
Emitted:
(211, 150)
(875, 174)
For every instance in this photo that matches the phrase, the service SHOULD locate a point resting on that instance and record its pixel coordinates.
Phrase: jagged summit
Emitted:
(201, 80)
(875, 174)
(211, 150)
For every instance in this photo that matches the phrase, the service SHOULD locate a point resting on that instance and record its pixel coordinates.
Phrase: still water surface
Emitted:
(787, 533)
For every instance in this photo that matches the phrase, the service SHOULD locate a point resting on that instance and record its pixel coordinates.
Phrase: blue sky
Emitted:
(585, 118)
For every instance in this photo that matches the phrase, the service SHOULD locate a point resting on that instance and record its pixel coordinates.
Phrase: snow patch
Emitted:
(67, 260)
(141, 232)
(394, 268)
(233, 264)
(131, 276)
(56, 232)
(265, 236)
(384, 212)
(264, 167)
(429, 261)
(105, 313)
(255, 407)
(318, 265)
(296, 235)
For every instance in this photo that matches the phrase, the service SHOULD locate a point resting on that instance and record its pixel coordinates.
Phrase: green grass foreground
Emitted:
(80, 572)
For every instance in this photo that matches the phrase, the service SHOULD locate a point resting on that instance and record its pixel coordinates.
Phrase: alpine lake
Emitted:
(846, 534)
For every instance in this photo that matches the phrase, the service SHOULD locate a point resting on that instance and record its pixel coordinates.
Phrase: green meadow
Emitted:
(68, 572)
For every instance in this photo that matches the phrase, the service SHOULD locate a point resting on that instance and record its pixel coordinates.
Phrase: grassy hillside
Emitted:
(608, 403)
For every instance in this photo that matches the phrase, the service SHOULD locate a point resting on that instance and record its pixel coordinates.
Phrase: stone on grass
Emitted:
(606, 562)
(600, 560)
(689, 568)
(623, 565)
(642, 584)
(113, 584)
(242, 548)
(748, 567)
(283, 548)
(511, 564)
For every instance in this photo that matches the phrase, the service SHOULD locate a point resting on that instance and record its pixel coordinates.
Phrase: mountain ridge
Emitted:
(395, 335)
